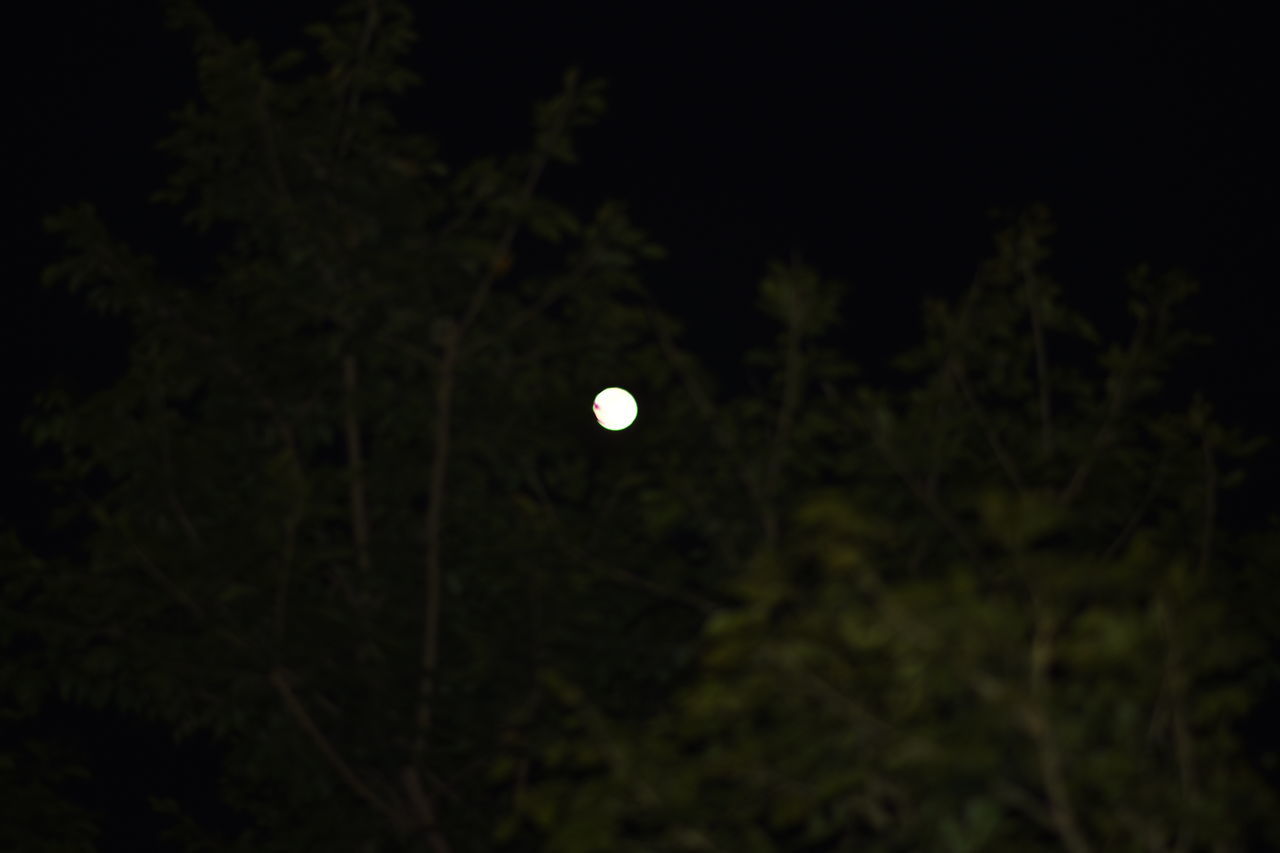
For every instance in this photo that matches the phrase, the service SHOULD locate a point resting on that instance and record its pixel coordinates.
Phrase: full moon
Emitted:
(615, 409)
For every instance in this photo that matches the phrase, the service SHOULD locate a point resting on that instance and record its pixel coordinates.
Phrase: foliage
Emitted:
(339, 516)
(1003, 625)
(342, 515)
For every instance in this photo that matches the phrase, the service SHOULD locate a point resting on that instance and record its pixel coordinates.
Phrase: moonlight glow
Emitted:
(615, 409)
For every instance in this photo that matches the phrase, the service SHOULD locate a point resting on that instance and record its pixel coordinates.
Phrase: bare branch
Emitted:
(280, 681)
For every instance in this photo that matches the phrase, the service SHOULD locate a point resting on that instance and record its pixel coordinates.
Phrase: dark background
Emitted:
(874, 144)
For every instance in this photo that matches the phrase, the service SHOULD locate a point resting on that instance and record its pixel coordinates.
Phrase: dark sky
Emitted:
(874, 142)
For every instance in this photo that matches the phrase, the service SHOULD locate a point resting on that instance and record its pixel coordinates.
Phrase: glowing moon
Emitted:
(615, 409)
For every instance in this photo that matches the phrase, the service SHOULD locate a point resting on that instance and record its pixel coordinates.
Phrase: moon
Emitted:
(615, 408)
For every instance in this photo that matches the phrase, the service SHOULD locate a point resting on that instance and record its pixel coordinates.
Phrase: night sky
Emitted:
(873, 143)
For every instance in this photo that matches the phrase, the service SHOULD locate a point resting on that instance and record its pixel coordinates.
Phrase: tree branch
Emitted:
(958, 375)
(1210, 503)
(531, 312)
(702, 402)
(723, 544)
(1115, 404)
(614, 573)
(181, 597)
(350, 103)
(280, 681)
(435, 504)
(355, 466)
(454, 334)
(927, 497)
(792, 385)
(269, 141)
(929, 500)
(1183, 745)
(1061, 811)
(291, 523)
(424, 808)
(1140, 511)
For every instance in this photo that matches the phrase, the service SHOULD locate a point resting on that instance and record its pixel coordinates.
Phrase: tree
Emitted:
(340, 511)
(341, 514)
(1005, 621)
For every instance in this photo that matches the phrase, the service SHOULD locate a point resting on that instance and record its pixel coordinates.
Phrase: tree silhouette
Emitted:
(316, 496)
(347, 512)
(1003, 621)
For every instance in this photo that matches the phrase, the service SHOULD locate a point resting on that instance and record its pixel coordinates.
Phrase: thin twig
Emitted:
(930, 501)
(791, 391)
(959, 376)
(175, 592)
(1117, 400)
(926, 496)
(1210, 503)
(531, 312)
(1141, 510)
(351, 100)
(180, 596)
